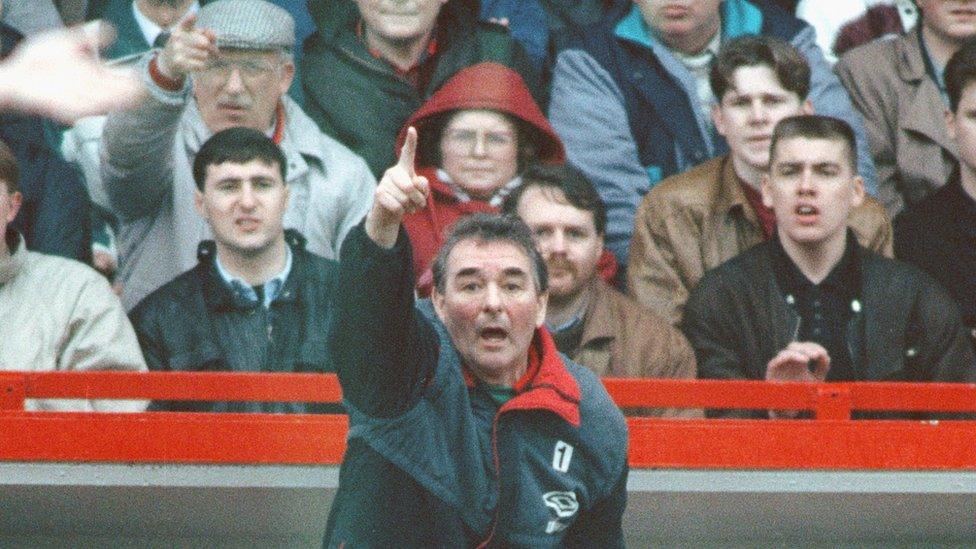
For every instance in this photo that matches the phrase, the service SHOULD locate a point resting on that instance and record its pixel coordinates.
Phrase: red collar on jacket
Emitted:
(442, 194)
(279, 130)
(546, 385)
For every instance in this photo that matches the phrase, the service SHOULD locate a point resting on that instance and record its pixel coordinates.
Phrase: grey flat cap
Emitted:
(248, 24)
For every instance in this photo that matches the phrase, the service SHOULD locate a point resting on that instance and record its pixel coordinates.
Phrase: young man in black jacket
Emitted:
(467, 427)
(812, 304)
(256, 301)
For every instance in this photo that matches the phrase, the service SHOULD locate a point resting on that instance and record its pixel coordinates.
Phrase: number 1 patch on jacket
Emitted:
(561, 456)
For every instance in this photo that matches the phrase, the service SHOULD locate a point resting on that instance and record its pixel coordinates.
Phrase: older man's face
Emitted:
(400, 20)
(242, 88)
(491, 308)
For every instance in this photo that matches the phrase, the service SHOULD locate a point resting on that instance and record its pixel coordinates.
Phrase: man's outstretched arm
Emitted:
(383, 351)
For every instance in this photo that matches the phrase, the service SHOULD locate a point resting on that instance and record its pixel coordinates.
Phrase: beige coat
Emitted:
(696, 220)
(904, 115)
(58, 314)
(623, 339)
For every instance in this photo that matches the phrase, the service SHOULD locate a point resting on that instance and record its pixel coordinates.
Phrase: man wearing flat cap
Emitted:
(229, 65)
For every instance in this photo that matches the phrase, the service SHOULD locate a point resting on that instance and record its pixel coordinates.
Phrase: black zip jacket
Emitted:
(907, 328)
(194, 323)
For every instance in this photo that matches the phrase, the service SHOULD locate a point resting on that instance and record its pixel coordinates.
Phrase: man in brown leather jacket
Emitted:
(591, 322)
(694, 221)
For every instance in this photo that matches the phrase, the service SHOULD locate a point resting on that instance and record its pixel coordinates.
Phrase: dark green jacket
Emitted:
(361, 101)
(195, 323)
(433, 460)
(129, 39)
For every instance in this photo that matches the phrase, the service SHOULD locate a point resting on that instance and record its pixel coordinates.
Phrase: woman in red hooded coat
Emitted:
(475, 136)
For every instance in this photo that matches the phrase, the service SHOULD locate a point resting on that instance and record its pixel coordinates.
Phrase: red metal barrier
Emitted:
(832, 441)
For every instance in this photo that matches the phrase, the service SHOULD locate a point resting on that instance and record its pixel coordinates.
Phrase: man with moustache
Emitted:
(592, 323)
(812, 304)
(696, 220)
(631, 96)
(467, 426)
(227, 66)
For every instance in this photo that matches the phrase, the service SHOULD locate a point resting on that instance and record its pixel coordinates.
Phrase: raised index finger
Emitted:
(408, 151)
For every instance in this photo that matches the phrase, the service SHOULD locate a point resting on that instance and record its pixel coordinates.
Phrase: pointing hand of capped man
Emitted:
(187, 50)
(400, 191)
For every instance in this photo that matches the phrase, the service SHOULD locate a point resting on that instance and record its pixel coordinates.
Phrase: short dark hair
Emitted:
(239, 146)
(482, 227)
(429, 136)
(9, 169)
(813, 126)
(960, 71)
(791, 69)
(578, 190)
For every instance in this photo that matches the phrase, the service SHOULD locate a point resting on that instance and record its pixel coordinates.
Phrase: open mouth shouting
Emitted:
(492, 337)
(806, 214)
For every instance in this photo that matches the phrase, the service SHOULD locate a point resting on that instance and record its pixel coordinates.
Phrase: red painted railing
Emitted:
(829, 441)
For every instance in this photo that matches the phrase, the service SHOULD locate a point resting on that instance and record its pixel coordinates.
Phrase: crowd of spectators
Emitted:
(732, 189)
(653, 172)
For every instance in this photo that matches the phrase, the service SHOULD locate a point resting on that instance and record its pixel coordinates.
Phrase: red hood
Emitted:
(494, 87)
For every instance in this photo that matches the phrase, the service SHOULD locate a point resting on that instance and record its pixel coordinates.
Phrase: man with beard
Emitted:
(591, 322)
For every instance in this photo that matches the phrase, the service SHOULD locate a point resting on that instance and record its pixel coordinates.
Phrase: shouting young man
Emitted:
(812, 304)
(698, 219)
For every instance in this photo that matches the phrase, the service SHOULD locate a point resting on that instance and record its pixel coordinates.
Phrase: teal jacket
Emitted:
(433, 460)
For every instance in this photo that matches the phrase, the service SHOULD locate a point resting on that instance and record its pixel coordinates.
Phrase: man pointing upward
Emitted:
(468, 427)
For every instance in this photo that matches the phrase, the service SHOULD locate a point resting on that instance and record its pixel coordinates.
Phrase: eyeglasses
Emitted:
(249, 69)
(468, 138)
